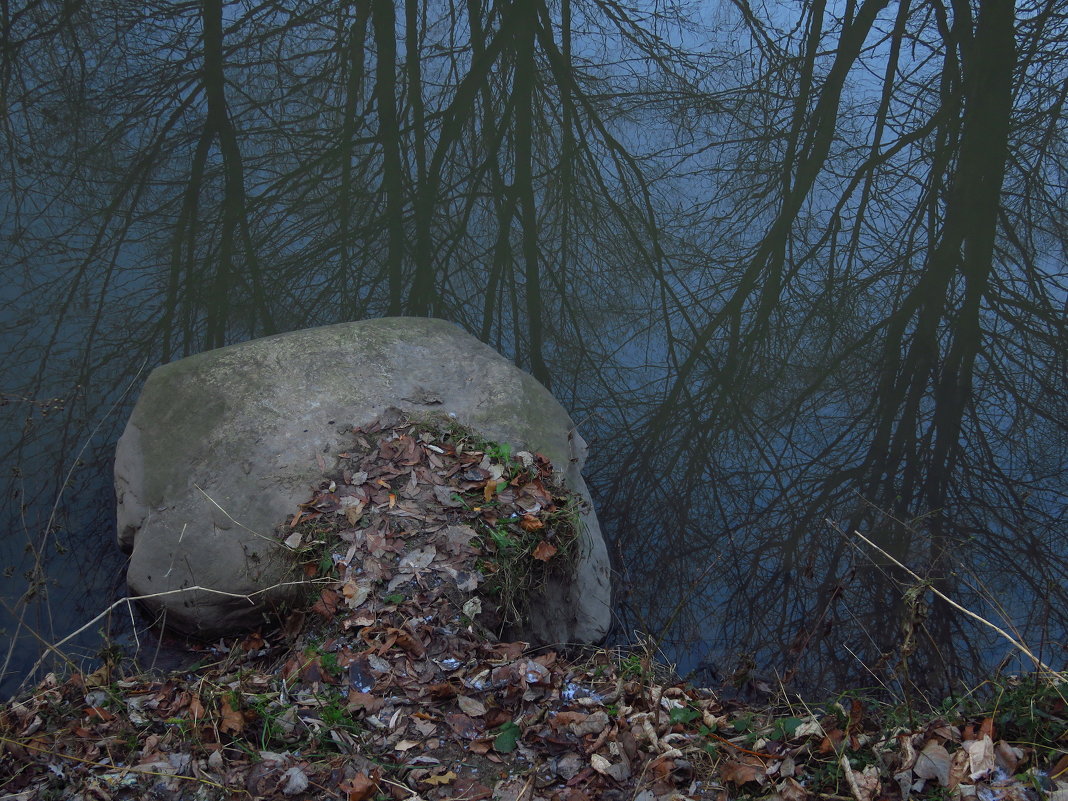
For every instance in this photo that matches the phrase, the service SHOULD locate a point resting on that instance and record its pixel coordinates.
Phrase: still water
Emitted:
(795, 276)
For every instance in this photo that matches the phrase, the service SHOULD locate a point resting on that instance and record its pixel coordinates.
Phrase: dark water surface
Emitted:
(795, 276)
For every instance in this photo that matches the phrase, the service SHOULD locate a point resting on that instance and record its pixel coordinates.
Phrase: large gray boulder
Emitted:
(222, 446)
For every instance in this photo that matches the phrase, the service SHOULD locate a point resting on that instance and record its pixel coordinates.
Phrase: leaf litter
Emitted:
(398, 680)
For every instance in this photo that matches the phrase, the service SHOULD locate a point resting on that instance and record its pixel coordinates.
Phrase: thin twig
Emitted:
(759, 754)
(55, 510)
(85, 445)
(271, 540)
(130, 599)
(41, 639)
(1019, 645)
(684, 598)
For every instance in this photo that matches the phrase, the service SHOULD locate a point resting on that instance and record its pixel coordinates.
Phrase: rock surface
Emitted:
(222, 447)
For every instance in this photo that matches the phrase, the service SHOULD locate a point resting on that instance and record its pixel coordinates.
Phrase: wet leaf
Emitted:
(536, 673)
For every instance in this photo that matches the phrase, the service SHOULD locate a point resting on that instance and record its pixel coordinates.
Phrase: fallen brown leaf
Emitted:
(986, 728)
(933, 762)
(99, 712)
(980, 757)
(464, 726)
(326, 606)
(864, 785)
(441, 691)
(531, 523)
(742, 770)
(354, 513)
(544, 551)
(831, 741)
(359, 787)
(196, 709)
(471, 706)
(792, 790)
(252, 642)
(406, 641)
(364, 701)
(232, 720)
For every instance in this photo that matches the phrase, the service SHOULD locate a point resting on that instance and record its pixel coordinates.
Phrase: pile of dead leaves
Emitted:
(431, 504)
(837, 754)
(393, 684)
(410, 718)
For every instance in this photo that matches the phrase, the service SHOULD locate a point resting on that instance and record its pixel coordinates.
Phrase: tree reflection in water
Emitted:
(788, 269)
